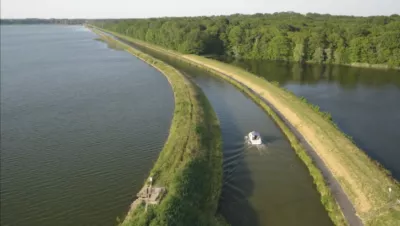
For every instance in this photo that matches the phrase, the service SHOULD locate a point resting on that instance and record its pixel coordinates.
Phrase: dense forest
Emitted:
(41, 21)
(280, 36)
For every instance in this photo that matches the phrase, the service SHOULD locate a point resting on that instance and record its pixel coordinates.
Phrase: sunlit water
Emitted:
(261, 186)
(365, 103)
(81, 125)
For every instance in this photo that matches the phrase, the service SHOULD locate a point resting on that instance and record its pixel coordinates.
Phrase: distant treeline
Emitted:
(279, 36)
(42, 21)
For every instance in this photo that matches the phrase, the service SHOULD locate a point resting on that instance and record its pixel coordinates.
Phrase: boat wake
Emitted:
(261, 148)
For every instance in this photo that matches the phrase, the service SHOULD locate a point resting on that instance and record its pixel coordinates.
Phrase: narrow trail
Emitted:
(344, 202)
(340, 196)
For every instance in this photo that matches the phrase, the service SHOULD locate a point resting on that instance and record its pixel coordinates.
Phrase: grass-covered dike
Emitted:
(364, 182)
(190, 164)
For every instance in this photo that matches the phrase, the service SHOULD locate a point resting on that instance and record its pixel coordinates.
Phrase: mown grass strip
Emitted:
(364, 181)
(326, 197)
(190, 164)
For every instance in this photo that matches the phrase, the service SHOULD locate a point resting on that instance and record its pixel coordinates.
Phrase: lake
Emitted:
(363, 102)
(83, 123)
(261, 186)
(81, 126)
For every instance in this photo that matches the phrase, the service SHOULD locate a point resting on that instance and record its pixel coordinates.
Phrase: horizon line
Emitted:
(214, 15)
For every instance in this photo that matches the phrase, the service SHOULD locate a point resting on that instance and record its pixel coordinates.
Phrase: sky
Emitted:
(159, 8)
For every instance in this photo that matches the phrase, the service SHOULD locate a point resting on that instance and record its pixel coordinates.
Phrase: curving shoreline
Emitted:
(190, 164)
(353, 178)
(330, 204)
(363, 197)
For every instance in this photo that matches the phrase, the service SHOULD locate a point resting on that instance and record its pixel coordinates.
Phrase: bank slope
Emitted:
(190, 164)
(363, 180)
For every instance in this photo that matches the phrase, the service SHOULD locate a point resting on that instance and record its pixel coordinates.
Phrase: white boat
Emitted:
(254, 138)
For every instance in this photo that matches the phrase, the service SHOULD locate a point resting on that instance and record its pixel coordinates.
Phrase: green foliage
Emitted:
(298, 52)
(373, 180)
(319, 55)
(327, 198)
(279, 48)
(324, 114)
(279, 36)
(190, 164)
(340, 56)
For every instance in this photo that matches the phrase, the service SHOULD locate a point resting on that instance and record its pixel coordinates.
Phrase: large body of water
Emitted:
(81, 126)
(365, 103)
(269, 186)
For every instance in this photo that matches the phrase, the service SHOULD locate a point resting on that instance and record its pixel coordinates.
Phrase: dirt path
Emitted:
(294, 124)
(344, 202)
(345, 205)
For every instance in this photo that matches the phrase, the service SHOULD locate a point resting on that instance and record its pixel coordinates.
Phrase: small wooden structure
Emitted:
(147, 195)
(151, 195)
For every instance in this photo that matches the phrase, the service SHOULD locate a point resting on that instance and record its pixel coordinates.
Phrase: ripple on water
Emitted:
(80, 129)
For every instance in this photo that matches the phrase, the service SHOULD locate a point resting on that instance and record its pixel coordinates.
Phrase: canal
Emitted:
(363, 102)
(267, 186)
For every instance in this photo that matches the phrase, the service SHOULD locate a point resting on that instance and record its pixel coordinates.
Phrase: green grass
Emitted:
(190, 164)
(364, 181)
(363, 178)
(326, 198)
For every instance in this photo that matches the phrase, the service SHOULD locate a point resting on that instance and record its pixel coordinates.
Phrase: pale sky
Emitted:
(157, 8)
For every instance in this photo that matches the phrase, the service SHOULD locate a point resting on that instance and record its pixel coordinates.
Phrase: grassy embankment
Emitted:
(326, 198)
(190, 164)
(364, 181)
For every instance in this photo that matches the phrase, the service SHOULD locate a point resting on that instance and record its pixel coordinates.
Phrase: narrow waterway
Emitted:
(364, 102)
(268, 186)
(81, 126)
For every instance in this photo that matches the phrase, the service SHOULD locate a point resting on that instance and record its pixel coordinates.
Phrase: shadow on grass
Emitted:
(237, 183)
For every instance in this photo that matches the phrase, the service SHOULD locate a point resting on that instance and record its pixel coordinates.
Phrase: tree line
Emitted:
(284, 36)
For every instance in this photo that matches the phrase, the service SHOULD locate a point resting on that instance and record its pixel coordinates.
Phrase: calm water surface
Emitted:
(81, 126)
(365, 103)
(270, 186)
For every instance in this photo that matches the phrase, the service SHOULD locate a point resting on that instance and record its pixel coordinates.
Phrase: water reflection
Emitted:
(364, 102)
(258, 188)
(347, 77)
(111, 45)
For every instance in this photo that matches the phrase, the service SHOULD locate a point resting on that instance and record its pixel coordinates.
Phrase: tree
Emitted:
(279, 48)
(280, 36)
